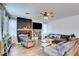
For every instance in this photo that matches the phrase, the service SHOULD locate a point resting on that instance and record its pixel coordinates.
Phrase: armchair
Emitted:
(25, 41)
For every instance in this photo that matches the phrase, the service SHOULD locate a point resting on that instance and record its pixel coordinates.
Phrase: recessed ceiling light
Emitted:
(27, 13)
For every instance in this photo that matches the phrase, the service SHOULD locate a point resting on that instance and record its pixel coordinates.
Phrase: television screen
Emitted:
(37, 25)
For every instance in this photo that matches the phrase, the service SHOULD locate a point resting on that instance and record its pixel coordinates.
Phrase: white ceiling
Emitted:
(60, 10)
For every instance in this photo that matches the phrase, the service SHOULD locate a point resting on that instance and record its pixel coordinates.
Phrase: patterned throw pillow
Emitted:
(61, 49)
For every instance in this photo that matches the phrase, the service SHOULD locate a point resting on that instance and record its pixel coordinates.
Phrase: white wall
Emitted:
(67, 25)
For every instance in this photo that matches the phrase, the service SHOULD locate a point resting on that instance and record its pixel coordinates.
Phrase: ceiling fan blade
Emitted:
(40, 16)
(51, 12)
(52, 16)
(42, 13)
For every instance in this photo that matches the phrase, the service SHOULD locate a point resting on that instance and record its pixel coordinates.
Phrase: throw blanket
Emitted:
(70, 48)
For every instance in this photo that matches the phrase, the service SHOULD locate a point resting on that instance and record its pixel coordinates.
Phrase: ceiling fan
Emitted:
(47, 15)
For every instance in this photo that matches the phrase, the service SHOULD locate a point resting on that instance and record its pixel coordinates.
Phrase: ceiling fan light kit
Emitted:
(46, 15)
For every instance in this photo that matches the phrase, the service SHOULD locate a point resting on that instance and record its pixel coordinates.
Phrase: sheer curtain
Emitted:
(13, 29)
(44, 30)
(0, 24)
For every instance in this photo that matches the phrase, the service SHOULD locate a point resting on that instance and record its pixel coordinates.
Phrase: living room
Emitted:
(39, 29)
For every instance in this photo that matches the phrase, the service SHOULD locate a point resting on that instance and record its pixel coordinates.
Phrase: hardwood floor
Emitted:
(19, 50)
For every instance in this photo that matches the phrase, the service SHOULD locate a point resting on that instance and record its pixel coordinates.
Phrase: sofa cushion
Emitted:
(52, 51)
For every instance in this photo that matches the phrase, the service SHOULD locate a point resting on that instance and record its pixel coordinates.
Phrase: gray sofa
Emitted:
(51, 51)
(63, 48)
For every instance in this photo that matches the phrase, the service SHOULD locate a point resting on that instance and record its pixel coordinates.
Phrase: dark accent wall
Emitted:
(22, 22)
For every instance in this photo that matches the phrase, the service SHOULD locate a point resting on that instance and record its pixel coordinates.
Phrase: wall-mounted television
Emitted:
(37, 25)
